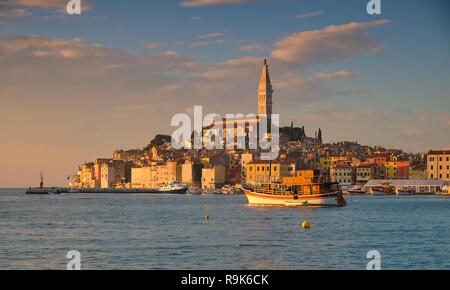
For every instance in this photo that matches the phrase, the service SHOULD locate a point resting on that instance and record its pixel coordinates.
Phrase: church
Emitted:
(243, 131)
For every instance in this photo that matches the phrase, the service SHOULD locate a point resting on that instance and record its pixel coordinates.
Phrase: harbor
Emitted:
(148, 231)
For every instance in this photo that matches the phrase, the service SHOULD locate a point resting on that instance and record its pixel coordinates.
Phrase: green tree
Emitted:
(158, 140)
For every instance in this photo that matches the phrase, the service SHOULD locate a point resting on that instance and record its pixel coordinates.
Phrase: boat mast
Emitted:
(315, 150)
(41, 185)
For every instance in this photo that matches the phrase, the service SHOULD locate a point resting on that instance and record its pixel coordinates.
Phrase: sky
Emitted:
(77, 87)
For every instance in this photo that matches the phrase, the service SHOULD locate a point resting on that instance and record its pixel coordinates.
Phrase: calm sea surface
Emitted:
(113, 231)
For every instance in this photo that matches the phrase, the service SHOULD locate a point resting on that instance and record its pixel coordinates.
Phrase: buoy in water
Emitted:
(206, 217)
(306, 225)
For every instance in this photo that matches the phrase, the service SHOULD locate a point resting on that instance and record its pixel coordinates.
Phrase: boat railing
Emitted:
(288, 192)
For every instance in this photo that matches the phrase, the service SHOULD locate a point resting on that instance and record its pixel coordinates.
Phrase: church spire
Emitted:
(265, 93)
(264, 83)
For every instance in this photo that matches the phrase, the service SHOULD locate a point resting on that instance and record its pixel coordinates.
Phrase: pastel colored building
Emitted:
(438, 165)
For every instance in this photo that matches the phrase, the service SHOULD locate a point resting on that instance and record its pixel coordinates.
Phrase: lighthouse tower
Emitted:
(265, 94)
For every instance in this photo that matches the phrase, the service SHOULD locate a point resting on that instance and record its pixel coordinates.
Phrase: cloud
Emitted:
(332, 44)
(196, 18)
(424, 116)
(368, 113)
(198, 3)
(252, 47)
(309, 14)
(337, 75)
(445, 118)
(413, 132)
(152, 45)
(211, 35)
(198, 44)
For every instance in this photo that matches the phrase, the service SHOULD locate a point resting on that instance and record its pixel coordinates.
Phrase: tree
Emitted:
(158, 140)
(319, 137)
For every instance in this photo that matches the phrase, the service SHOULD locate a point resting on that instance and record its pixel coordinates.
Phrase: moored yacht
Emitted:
(175, 187)
(383, 189)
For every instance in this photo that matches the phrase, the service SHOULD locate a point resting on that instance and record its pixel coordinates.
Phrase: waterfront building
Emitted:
(259, 171)
(112, 173)
(418, 172)
(402, 169)
(86, 175)
(245, 159)
(438, 164)
(213, 177)
(191, 173)
(344, 174)
(364, 173)
(143, 177)
(326, 162)
(166, 173)
(233, 175)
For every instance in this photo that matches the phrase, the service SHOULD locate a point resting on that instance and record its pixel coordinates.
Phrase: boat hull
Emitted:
(173, 191)
(405, 192)
(319, 200)
(382, 193)
(356, 192)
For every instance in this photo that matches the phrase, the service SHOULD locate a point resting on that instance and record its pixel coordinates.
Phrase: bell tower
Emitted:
(265, 94)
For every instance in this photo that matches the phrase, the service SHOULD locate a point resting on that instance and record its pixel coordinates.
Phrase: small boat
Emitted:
(238, 191)
(194, 190)
(175, 187)
(383, 189)
(405, 191)
(227, 190)
(209, 191)
(356, 190)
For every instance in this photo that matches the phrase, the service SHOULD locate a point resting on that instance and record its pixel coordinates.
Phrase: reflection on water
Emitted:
(170, 232)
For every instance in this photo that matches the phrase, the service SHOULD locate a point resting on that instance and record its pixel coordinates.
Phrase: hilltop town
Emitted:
(347, 163)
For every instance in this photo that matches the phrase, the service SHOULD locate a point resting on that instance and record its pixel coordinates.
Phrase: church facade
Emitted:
(241, 130)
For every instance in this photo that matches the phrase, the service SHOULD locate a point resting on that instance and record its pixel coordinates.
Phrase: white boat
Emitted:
(227, 190)
(356, 190)
(405, 191)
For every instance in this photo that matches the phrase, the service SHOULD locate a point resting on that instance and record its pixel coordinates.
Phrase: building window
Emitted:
(431, 175)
